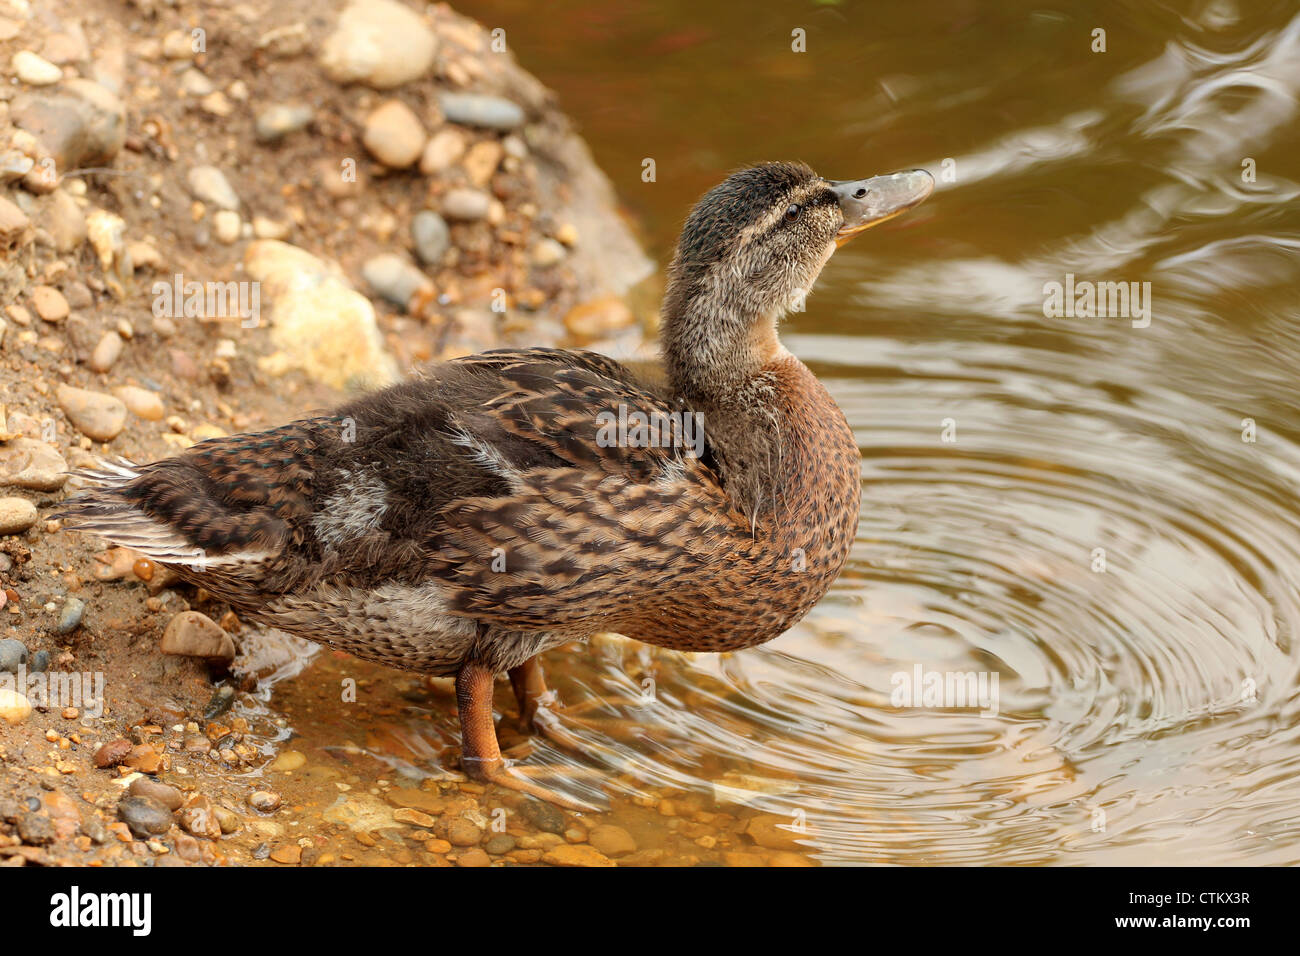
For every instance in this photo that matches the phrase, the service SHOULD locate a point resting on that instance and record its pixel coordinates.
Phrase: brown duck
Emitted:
(505, 503)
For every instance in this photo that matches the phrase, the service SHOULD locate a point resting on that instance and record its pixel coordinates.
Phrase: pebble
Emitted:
(279, 120)
(542, 815)
(94, 414)
(500, 844)
(16, 515)
(70, 616)
(473, 858)
(35, 829)
(28, 463)
(773, 832)
(40, 662)
(14, 707)
(462, 832)
(210, 185)
(141, 402)
(107, 351)
(466, 204)
(13, 223)
(35, 70)
(144, 816)
(431, 236)
(288, 761)
(227, 225)
(66, 222)
(443, 149)
(476, 109)
(192, 634)
(393, 134)
(579, 854)
(381, 43)
(611, 840)
(414, 818)
(198, 818)
(167, 795)
(290, 853)
(319, 324)
(49, 303)
(264, 801)
(178, 45)
(265, 228)
(394, 278)
(482, 160)
(82, 124)
(598, 317)
(194, 83)
(548, 253)
(112, 753)
(13, 655)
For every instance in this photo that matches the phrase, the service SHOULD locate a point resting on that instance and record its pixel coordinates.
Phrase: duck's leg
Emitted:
(531, 692)
(480, 753)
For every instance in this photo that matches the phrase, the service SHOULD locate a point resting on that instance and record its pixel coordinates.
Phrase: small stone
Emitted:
(66, 222)
(81, 125)
(94, 414)
(195, 84)
(393, 278)
(382, 43)
(466, 204)
(145, 817)
(14, 707)
(16, 515)
(70, 616)
(576, 854)
(14, 223)
(210, 185)
(598, 317)
(40, 662)
(461, 832)
(178, 45)
(199, 819)
(414, 817)
(35, 829)
(13, 655)
(264, 801)
(264, 228)
(288, 761)
(500, 844)
(49, 303)
(473, 858)
(167, 795)
(107, 351)
(278, 121)
(290, 854)
(32, 464)
(192, 634)
(112, 753)
(475, 109)
(35, 70)
(141, 402)
(227, 226)
(544, 816)
(548, 253)
(393, 134)
(431, 236)
(611, 840)
(773, 832)
(145, 759)
(444, 148)
(482, 160)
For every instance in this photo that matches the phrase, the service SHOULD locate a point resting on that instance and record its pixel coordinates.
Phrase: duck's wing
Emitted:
(509, 482)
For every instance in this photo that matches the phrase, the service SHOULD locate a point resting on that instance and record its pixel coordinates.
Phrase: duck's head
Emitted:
(750, 251)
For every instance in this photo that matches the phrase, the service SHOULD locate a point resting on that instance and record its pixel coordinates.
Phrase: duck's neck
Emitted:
(767, 420)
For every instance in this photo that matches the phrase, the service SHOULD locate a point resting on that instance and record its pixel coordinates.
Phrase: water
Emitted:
(1100, 536)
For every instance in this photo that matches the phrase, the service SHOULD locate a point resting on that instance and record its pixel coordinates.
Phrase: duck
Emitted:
(498, 505)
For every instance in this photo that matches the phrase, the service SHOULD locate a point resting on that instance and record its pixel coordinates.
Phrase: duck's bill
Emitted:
(869, 202)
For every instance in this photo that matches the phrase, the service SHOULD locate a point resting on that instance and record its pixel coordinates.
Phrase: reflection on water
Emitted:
(1105, 517)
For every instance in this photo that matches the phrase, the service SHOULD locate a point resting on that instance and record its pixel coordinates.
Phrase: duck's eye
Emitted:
(792, 212)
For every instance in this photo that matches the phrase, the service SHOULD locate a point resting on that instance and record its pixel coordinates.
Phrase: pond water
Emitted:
(1101, 514)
